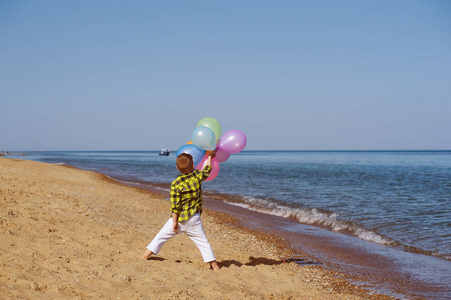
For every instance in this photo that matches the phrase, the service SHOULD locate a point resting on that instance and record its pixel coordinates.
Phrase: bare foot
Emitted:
(146, 254)
(214, 265)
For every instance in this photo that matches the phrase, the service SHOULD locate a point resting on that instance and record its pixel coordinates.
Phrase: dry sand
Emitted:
(74, 234)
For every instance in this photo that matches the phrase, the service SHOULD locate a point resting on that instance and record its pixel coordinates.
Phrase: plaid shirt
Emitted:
(186, 193)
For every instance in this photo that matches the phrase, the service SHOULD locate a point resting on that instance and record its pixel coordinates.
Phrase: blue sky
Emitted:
(295, 75)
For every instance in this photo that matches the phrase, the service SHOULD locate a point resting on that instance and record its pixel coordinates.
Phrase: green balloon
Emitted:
(212, 124)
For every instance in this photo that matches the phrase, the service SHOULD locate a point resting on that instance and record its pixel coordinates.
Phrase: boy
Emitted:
(186, 207)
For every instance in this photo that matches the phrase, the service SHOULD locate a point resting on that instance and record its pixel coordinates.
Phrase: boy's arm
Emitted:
(210, 156)
(175, 209)
(207, 169)
(175, 223)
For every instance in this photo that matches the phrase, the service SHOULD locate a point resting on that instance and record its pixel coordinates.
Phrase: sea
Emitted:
(394, 203)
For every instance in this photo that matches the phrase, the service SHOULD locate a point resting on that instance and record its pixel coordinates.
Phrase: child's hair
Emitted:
(185, 163)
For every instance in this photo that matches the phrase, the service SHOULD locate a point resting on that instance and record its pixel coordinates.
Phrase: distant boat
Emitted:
(165, 152)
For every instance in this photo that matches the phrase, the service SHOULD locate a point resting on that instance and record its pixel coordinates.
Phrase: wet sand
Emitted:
(74, 234)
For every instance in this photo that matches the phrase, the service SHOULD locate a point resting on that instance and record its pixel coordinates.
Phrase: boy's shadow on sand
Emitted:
(157, 258)
(255, 261)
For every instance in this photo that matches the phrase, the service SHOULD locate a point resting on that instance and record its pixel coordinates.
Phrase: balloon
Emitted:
(233, 141)
(204, 138)
(191, 142)
(196, 153)
(214, 170)
(214, 167)
(212, 124)
(221, 156)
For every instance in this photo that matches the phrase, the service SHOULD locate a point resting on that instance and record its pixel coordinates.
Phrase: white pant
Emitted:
(193, 228)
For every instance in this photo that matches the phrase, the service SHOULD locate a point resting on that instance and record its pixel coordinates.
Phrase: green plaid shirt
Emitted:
(186, 193)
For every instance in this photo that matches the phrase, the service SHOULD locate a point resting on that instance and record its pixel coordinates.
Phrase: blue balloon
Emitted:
(196, 153)
(204, 138)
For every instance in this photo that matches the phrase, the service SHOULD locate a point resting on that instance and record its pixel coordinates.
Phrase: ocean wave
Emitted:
(312, 216)
(158, 188)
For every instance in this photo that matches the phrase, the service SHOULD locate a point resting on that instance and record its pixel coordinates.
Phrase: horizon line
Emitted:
(247, 150)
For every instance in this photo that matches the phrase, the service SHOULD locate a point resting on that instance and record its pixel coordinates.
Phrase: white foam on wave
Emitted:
(311, 216)
(161, 188)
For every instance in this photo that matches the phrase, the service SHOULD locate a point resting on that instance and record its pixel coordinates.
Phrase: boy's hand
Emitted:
(175, 223)
(176, 227)
(212, 154)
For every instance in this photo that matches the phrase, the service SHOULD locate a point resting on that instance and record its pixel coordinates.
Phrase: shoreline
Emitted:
(378, 269)
(370, 266)
(67, 232)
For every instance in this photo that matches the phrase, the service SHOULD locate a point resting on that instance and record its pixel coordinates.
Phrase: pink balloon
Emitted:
(214, 170)
(233, 141)
(214, 167)
(222, 156)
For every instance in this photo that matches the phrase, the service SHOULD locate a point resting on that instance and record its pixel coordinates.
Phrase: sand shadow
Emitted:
(228, 263)
(255, 261)
(180, 261)
(157, 258)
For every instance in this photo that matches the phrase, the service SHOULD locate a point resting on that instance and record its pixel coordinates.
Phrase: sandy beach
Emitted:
(73, 234)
